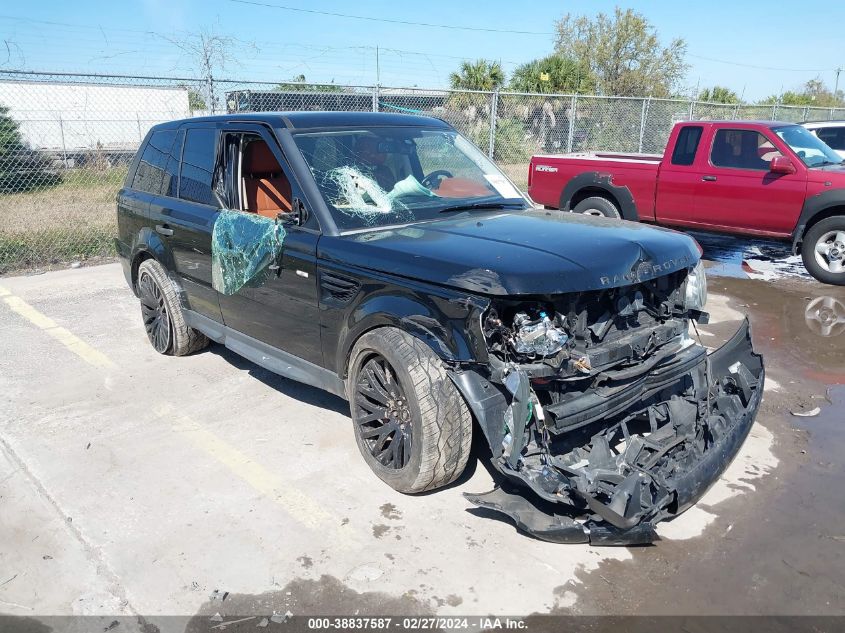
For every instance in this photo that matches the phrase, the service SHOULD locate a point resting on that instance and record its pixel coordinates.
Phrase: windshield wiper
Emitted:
(482, 205)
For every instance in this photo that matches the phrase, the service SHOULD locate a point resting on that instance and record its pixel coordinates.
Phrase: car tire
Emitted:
(823, 250)
(397, 382)
(162, 313)
(596, 205)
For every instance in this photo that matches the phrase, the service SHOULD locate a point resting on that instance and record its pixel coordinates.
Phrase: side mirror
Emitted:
(781, 165)
(298, 215)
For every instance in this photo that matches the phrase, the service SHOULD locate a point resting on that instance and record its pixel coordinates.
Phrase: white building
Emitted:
(72, 117)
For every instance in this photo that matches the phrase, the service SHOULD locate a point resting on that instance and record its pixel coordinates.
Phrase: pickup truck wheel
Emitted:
(411, 423)
(596, 205)
(162, 313)
(823, 251)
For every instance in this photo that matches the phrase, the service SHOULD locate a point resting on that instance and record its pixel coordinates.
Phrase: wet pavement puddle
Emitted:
(749, 258)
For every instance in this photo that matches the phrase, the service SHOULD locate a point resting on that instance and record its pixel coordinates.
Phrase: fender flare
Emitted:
(149, 245)
(603, 182)
(451, 337)
(813, 207)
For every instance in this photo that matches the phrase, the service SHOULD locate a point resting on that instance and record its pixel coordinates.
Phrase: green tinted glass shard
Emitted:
(243, 247)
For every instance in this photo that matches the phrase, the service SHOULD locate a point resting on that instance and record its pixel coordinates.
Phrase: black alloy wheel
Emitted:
(382, 415)
(155, 314)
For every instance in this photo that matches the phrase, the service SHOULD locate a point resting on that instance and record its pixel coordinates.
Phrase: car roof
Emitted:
(306, 120)
(762, 122)
(818, 124)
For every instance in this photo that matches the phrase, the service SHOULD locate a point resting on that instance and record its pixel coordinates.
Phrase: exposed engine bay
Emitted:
(603, 405)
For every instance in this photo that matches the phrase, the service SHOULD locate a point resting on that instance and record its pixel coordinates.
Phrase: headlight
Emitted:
(696, 288)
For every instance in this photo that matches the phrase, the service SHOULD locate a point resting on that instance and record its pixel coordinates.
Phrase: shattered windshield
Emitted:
(390, 175)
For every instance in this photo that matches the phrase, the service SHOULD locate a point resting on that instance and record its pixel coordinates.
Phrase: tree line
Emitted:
(617, 55)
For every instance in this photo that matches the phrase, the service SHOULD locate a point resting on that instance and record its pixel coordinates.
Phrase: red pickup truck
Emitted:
(758, 178)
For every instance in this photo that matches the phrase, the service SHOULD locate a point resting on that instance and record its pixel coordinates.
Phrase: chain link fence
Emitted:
(66, 140)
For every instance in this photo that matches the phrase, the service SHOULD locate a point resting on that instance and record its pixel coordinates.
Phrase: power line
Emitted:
(168, 41)
(734, 63)
(388, 20)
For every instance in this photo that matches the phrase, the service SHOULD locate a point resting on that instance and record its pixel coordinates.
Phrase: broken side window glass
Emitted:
(243, 248)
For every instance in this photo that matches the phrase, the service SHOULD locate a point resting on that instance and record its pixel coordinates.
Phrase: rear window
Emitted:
(150, 172)
(198, 158)
(170, 181)
(687, 145)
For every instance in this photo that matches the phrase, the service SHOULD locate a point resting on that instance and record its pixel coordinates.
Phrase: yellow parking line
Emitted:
(62, 335)
(297, 504)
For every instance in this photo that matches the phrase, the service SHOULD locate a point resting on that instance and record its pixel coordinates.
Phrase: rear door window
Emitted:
(150, 171)
(198, 159)
(687, 145)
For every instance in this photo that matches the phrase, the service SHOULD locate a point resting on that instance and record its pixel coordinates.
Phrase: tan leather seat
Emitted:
(267, 190)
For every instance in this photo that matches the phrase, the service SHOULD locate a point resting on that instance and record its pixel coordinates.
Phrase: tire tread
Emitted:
(185, 340)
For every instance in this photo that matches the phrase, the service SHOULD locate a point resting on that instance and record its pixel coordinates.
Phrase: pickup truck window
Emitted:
(380, 176)
(742, 149)
(687, 145)
(812, 151)
(150, 172)
(198, 158)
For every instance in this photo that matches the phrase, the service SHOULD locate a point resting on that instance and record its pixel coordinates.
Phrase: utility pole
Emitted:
(378, 72)
(836, 85)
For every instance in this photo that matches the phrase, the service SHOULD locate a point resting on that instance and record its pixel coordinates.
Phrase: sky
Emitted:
(755, 48)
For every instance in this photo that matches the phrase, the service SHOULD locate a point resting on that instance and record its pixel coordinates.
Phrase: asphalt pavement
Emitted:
(137, 484)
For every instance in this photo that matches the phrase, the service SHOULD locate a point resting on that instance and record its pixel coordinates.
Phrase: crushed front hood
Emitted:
(609, 483)
(514, 253)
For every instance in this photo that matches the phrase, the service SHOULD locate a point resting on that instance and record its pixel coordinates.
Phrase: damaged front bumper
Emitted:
(606, 466)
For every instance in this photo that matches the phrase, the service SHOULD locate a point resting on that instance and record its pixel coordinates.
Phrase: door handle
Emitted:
(163, 229)
(709, 178)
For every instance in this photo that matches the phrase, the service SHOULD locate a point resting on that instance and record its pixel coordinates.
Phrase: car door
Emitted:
(184, 216)
(282, 309)
(678, 177)
(133, 200)
(737, 192)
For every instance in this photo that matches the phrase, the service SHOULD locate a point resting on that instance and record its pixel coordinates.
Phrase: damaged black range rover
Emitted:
(385, 259)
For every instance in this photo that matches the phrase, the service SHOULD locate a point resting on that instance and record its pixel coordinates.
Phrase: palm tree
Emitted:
(471, 112)
(718, 94)
(482, 74)
(554, 74)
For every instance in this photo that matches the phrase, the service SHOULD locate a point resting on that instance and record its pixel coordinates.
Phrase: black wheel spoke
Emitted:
(377, 381)
(406, 448)
(374, 394)
(368, 432)
(154, 313)
(380, 412)
(384, 437)
(396, 445)
(375, 416)
(384, 456)
(367, 403)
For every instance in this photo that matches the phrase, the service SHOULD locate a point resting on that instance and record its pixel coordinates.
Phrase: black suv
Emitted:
(385, 259)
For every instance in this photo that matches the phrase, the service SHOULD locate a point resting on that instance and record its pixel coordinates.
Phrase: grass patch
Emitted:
(70, 221)
(88, 178)
(53, 246)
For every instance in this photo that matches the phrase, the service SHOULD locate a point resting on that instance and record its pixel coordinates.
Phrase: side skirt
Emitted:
(266, 356)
